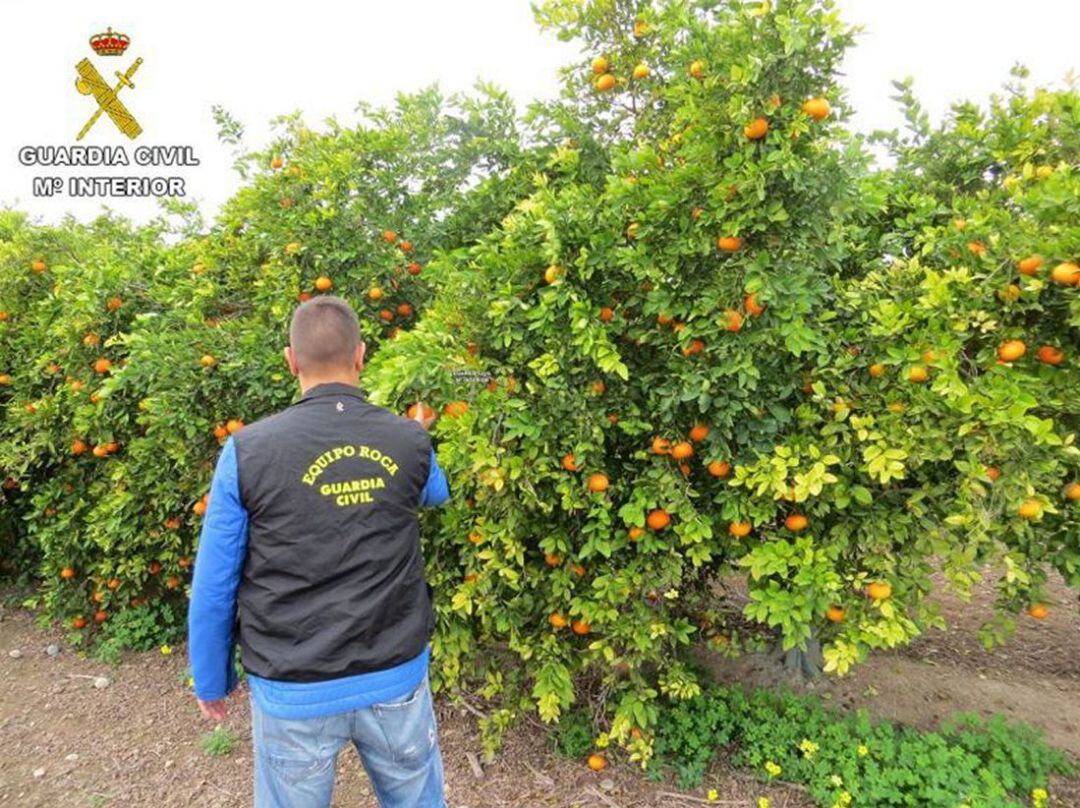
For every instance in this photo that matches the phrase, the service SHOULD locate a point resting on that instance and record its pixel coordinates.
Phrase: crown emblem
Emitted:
(109, 43)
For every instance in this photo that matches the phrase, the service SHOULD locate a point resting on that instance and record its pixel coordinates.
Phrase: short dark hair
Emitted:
(324, 334)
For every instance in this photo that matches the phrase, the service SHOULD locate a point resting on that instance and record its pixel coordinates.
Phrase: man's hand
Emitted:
(214, 710)
(424, 415)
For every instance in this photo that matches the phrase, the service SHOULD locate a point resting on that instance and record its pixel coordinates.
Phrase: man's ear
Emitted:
(290, 360)
(361, 352)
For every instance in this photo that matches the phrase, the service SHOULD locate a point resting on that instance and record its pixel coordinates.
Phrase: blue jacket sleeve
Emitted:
(436, 490)
(218, 564)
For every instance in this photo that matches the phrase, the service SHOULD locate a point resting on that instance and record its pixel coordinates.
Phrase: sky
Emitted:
(321, 57)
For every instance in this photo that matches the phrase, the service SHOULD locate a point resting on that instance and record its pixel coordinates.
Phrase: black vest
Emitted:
(333, 584)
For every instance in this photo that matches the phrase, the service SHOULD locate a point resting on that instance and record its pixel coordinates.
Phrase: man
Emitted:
(310, 560)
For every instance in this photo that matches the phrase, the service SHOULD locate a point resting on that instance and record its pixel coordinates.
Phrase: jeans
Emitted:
(398, 744)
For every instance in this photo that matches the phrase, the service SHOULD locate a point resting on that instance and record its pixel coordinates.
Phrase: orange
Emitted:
(405, 245)
(414, 268)
(699, 432)
(640, 29)
(277, 163)
(663, 319)
(557, 620)
(918, 374)
(817, 108)
(753, 308)
(756, 129)
(113, 303)
(604, 83)
(1011, 350)
(3, 315)
(323, 283)
(796, 522)
(606, 314)
(599, 65)
(634, 533)
(386, 315)
(114, 583)
(581, 627)
(111, 447)
(719, 468)
(739, 529)
(552, 273)
(91, 339)
(660, 446)
(729, 243)
(38, 265)
(684, 469)
(207, 361)
(292, 248)
(475, 537)
(455, 409)
(682, 450)
(993, 473)
(101, 451)
(199, 508)
(569, 463)
(960, 224)
(658, 519)
(641, 71)
(877, 370)
(977, 247)
(1030, 265)
(78, 447)
(78, 622)
(304, 297)
(102, 365)
(599, 387)
(879, 590)
(774, 101)
(1030, 509)
(835, 614)
(696, 346)
(220, 432)
(154, 568)
(389, 236)
(469, 577)
(375, 293)
(596, 762)
(5, 379)
(733, 319)
(578, 570)
(552, 560)
(425, 414)
(172, 523)
(77, 386)
(598, 482)
(233, 425)
(184, 562)
(1072, 492)
(1050, 355)
(67, 573)
(172, 582)
(1067, 274)
(697, 69)
(1038, 611)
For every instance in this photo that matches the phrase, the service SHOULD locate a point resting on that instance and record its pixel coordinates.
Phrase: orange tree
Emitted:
(130, 353)
(711, 341)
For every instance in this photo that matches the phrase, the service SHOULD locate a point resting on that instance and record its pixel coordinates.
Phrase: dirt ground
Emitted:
(64, 742)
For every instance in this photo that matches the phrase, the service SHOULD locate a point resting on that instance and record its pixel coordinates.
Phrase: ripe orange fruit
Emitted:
(220, 432)
(425, 414)
(77, 386)
(552, 274)
(114, 583)
(918, 374)
(817, 108)
(323, 283)
(233, 425)
(719, 468)
(111, 446)
(199, 508)
(1067, 274)
(696, 346)
(389, 236)
(455, 409)
(38, 265)
(977, 247)
(598, 482)
(405, 245)
(879, 590)
(604, 83)
(100, 616)
(635, 733)
(729, 243)
(304, 297)
(154, 567)
(640, 29)
(581, 627)
(960, 224)
(993, 473)
(557, 620)
(1011, 350)
(414, 268)
(698, 432)
(277, 163)
(753, 308)
(67, 573)
(739, 529)
(660, 446)
(207, 361)
(172, 523)
(578, 570)
(1030, 509)
(1072, 492)
(475, 537)
(756, 129)
(1030, 265)
(469, 577)
(78, 447)
(386, 315)
(5, 379)
(796, 522)
(552, 560)
(101, 450)
(78, 622)
(375, 293)
(596, 762)
(697, 69)
(172, 582)
(682, 450)
(733, 319)
(641, 71)
(1038, 611)
(835, 613)
(568, 462)
(598, 387)
(3, 315)
(635, 533)
(1050, 355)
(607, 314)
(599, 65)
(113, 303)
(658, 519)
(102, 365)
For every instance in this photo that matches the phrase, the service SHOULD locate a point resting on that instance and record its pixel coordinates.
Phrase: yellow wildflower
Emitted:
(166, 650)
(809, 748)
(713, 795)
(862, 750)
(1039, 797)
(772, 769)
(762, 802)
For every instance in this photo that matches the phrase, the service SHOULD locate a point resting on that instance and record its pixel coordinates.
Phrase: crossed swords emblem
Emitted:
(90, 82)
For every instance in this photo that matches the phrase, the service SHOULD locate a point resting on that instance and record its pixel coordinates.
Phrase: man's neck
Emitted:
(307, 383)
